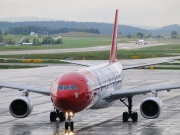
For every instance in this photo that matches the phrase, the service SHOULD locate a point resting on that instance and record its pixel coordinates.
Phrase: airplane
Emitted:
(92, 87)
(141, 42)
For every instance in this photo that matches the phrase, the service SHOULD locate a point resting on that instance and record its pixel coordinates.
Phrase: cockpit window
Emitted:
(67, 87)
(60, 87)
(73, 87)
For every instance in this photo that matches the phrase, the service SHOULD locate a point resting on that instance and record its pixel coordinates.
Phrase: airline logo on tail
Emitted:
(113, 54)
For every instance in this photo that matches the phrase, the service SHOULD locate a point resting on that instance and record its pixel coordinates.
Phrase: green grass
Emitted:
(149, 52)
(15, 66)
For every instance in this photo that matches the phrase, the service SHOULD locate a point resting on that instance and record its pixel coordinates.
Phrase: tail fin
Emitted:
(113, 55)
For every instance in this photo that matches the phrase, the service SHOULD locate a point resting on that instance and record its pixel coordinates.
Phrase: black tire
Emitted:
(72, 126)
(53, 116)
(125, 116)
(61, 116)
(134, 116)
(66, 125)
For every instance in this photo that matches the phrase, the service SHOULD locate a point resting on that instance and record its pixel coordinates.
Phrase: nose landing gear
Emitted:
(69, 123)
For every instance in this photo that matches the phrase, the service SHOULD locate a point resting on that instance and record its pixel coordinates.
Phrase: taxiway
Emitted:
(125, 46)
(89, 122)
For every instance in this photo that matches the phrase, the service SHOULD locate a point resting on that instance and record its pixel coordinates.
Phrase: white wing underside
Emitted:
(122, 93)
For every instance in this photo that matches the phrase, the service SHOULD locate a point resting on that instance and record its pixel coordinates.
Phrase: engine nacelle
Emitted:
(151, 107)
(21, 107)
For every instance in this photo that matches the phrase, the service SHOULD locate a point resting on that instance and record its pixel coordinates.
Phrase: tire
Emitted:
(61, 116)
(66, 125)
(134, 116)
(53, 116)
(72, 126)
(125, 116)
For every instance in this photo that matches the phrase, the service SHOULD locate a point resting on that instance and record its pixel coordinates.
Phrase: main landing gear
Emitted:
(129, 114)
(69, 123)
(57, 114)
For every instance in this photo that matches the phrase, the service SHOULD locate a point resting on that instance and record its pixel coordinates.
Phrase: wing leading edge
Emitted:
(40, 90)
(117, 94)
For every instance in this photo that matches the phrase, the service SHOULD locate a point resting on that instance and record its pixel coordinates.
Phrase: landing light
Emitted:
(69, 133)
(71, 114)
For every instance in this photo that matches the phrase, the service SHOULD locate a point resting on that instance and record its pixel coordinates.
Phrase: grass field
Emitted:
(149, 52)
(68, 42)
(15, 67)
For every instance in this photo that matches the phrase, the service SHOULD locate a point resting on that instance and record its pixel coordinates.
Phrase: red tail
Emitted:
(113, 55)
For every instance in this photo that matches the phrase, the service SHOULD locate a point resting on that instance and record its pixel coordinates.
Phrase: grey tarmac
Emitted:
(87, 49)
(90, 122)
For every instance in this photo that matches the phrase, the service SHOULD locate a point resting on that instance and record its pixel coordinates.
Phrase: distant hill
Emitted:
(167, 29)
(104, 28)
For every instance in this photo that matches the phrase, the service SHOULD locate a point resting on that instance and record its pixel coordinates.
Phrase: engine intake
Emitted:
(21, 107)
(151, 107)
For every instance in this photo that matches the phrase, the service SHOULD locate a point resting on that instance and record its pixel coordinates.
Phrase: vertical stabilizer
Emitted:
(113, 54)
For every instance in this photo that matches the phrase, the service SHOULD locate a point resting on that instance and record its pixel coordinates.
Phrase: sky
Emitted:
(153, 13)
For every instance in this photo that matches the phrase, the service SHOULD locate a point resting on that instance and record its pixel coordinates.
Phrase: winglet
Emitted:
(113, 55)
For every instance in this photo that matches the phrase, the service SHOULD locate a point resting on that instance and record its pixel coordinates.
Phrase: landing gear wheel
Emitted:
(72, 126)
(134, 116)
(125, 116)
(66, 125)
(130, 113)
(61, 116)
(53, 116)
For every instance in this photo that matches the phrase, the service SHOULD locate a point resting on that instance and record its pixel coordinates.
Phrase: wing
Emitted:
(117, 94)
(77, 63)
(146, 64)
(40, 90)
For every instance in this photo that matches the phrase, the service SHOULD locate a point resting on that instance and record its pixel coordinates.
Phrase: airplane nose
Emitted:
(71, 92)
(70, 100)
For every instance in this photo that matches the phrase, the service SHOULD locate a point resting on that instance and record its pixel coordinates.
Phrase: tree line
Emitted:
(9, 41)
(46, 40)
(24, 30)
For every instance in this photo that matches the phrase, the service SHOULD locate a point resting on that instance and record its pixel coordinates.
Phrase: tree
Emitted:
(26, 40)
(129, 35)
(25, 32)
(5, 33)
(149, 36)
(35, 41)
(173, 34)
(1, 39)
(1, 33)
(48, 40)
(141, 35)
(10, 41)
(58, 41)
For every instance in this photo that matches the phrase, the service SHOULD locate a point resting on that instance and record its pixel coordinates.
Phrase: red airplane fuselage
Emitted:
(76, 91)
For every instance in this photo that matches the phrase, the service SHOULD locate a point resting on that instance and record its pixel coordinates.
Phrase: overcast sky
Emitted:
(155, 13)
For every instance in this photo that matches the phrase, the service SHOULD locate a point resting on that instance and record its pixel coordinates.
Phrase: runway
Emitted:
(89, 122)
(87, 49)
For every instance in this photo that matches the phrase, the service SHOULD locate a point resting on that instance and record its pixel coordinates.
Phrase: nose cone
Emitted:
(72, 92)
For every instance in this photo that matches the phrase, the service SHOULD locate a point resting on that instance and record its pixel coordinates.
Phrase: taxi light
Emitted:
(66, 133)
(66, 114)
(71, 133)
(71, 114)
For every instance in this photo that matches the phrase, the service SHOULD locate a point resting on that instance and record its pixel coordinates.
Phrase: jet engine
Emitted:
(151, 107)
(21, 107)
